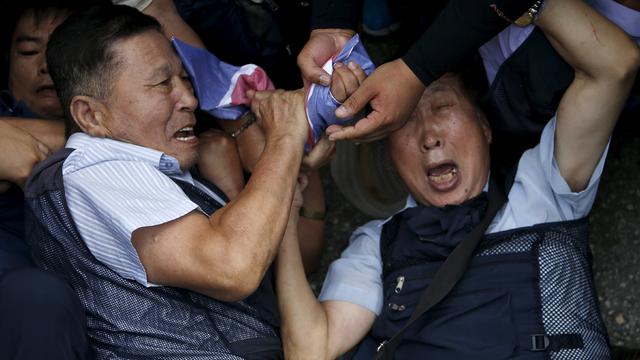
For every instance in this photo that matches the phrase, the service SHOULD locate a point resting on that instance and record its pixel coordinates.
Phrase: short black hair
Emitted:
(80, 56)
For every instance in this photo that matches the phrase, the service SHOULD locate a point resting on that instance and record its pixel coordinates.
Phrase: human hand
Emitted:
(280, 113)
(346, 80)
(319, 156)
(322, 45)
(393, 91)
(26, 151)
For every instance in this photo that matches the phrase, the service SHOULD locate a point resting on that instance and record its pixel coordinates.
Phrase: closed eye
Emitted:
(165, 82)
(441, 107)
(28, 52)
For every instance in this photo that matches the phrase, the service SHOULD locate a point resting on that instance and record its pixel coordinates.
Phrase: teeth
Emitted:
(188, 128)
(444, 177)
(185, 138)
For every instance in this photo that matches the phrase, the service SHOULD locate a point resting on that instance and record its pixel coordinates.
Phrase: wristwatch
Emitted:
(531, 15)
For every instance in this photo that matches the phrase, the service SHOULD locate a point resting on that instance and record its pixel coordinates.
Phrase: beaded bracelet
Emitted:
(245, 125)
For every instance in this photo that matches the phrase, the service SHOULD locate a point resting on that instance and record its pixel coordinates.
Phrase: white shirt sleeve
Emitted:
(111, 199)
(540, 194)
(356, 276)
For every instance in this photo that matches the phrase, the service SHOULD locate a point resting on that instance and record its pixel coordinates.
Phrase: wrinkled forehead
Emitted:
(450, 85)
(148, 51)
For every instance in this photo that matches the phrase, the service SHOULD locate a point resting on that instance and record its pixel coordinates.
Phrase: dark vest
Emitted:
(129, 321)
(527, 294)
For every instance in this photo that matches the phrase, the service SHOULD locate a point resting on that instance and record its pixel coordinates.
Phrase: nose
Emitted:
(430, 140)
(188, 100)
(43, 69)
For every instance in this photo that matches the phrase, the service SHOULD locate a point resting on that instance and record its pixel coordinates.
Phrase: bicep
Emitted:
(188, 252)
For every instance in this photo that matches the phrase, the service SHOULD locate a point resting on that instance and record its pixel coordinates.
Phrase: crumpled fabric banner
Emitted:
(220, 87)
(320, 103)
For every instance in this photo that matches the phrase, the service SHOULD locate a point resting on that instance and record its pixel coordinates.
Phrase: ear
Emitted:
(486, 128)
(91, 115)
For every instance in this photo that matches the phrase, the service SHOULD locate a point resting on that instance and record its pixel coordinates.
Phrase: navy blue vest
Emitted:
(527, 294)
(129, 321)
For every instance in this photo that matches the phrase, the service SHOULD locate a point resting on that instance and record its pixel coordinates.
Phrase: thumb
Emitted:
(355, 102)
(311, 71)
(250, 94)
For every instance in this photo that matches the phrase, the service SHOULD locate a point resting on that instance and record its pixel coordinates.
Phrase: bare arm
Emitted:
(313, 330)
(605, 62)
(166, 13)
(24, 148)
(225, 256)
(49, 132)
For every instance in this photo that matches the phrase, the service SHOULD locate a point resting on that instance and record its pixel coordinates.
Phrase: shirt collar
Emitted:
(119, 150)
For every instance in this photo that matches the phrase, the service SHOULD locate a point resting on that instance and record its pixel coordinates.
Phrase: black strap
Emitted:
(449, 273)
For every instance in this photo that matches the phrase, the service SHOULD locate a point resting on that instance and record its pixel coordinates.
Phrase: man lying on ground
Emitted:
(528, 290)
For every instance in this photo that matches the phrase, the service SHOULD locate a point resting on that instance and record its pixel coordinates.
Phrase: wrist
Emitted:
(237, 127)
(312, 214)
(348, 33)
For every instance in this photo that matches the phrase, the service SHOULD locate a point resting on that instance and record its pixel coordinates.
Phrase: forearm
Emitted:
(605, 61)
(49, 132)
(310, 227)
(591, 44)
(254, 222)
(460, 29)
(173, 25)
(304, 321)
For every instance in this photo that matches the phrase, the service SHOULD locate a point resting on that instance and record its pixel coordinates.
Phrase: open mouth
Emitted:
(46, 90)
(185, 134)
(444, 176)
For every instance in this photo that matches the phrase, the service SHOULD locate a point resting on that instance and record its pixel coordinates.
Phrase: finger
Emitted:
(332, 129)
(321, 153)
(43, 150)
(311, 71)
(338, 87)
(367, 129)
(349, 80)
(356, 101)
(357, 71)
(257, 98)
(250, 94)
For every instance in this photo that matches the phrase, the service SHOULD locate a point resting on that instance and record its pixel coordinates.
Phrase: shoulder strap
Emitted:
(449, 273)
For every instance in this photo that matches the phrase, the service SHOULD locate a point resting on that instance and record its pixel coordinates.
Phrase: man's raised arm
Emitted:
(605, 62)
(226, 256)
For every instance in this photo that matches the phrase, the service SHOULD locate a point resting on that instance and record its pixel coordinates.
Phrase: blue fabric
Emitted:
(214, 80)
(321, 104)
(440, 230)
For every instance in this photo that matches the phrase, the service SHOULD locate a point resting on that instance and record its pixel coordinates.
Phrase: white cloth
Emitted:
(539, 194)
(138, 4)
(113, 188)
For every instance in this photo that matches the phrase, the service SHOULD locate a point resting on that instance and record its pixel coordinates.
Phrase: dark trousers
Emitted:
(40, 317)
